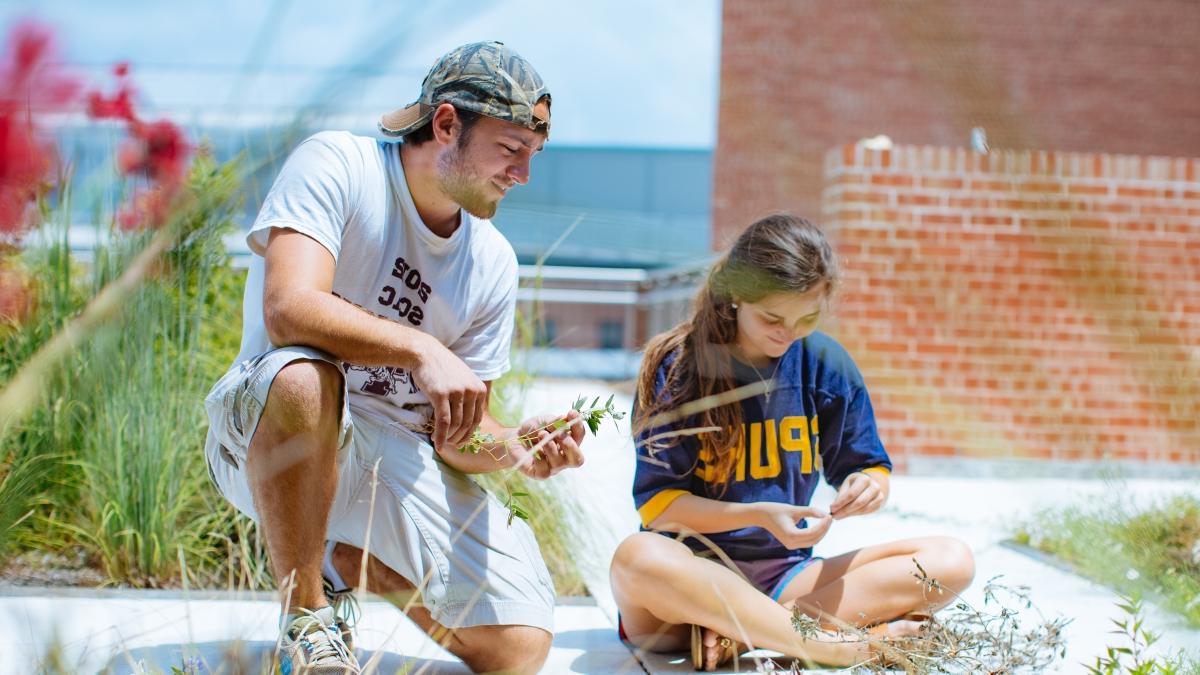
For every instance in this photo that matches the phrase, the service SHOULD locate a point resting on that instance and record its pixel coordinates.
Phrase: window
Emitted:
(547, 333)
(612, 334)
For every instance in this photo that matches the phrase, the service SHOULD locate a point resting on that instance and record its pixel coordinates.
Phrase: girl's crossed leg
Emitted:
(879, 583)
(661, 587)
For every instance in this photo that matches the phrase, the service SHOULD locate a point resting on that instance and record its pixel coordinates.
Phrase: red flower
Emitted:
(157, 150)
(119, 106)
(29, 85)
(24, 164)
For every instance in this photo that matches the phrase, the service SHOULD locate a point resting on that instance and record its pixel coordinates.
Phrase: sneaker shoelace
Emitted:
(345, 604)
(323, 643)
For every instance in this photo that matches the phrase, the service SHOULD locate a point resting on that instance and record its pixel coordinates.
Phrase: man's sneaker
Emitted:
(312, 645)
(345, 609)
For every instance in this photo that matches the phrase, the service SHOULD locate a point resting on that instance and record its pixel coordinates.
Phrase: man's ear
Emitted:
(445, 124)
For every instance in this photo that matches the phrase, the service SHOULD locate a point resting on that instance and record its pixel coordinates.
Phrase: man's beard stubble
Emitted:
(462, 186)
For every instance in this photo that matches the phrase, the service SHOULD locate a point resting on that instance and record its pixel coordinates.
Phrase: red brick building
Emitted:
(799, 77)
(1042, 301)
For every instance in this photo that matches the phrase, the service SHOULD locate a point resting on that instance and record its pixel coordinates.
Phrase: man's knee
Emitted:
(502, 649)
(305, 397)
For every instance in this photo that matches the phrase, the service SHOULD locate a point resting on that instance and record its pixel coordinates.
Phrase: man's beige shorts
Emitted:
(431, 524)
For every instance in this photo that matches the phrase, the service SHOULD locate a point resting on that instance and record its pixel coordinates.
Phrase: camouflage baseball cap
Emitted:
(483, 77)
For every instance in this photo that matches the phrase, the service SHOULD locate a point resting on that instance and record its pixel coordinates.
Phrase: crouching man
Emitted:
(378, 312)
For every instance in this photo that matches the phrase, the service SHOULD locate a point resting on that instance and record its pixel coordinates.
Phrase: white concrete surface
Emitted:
(151, 632)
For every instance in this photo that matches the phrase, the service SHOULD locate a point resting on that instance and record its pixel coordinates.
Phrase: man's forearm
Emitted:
(326, 322)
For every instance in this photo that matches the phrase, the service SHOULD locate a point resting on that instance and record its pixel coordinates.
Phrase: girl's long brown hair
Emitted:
(778, 253)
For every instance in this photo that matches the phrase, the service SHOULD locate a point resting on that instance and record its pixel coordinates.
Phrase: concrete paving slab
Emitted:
(143, 632)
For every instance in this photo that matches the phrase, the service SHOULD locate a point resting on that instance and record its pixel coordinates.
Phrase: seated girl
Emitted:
(739, 411)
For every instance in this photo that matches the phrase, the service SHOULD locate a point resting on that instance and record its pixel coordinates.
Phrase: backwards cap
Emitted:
(483, 77)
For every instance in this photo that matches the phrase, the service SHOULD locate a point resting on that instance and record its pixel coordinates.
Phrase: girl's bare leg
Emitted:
(661, 587)
(877, 584)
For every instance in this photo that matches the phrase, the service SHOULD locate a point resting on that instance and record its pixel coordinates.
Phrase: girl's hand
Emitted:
(859, 495)
(557, 446)
(782, 521)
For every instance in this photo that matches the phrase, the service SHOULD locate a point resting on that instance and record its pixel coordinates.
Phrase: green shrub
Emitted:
(111, 461)
(1154, 551)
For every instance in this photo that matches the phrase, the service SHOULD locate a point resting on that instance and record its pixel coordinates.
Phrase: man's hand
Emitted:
(553, 449)
(859, 495)
(458, 397)
(782, 521)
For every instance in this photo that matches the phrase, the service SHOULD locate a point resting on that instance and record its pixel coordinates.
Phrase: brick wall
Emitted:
(1028, 305)
(801, 76)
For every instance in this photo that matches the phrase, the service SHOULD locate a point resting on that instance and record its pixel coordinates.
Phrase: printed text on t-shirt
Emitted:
(395, 298)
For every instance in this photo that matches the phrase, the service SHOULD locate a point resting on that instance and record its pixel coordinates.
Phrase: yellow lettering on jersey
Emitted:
(816, 432)
(793, 436)
(757, 470)
(706, 467)
(740, 461)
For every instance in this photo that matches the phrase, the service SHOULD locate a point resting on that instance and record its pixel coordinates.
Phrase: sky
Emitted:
(622, 73)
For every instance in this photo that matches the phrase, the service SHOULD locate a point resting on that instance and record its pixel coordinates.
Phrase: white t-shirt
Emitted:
(349, 194)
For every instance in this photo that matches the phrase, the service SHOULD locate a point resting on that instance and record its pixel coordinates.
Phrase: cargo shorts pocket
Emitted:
(227, 412)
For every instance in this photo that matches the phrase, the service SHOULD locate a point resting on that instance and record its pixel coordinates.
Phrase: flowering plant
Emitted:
(155, 155)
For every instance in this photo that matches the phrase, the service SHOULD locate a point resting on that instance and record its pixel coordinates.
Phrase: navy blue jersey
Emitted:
(816, 420)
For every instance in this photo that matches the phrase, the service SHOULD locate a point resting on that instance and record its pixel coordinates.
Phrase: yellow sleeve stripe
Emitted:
(883, 470)
(652, 509)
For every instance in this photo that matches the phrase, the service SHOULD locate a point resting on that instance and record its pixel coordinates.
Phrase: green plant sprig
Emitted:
(593, 416)
(515, 500)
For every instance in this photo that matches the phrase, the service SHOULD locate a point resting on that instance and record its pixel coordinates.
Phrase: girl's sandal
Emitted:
(728, 649)
(918, 616)
(889, 650)
(881, 629)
